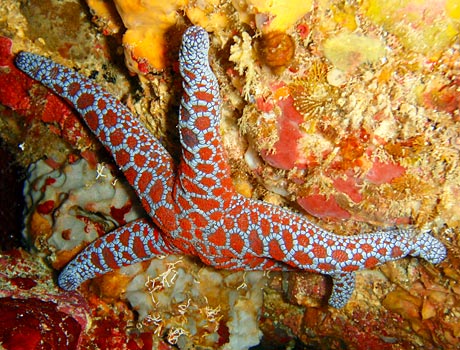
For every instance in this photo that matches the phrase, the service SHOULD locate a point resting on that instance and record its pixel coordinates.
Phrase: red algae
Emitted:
(36, 324)
(322, 206)
(30, 100)
(23, 283)
(34, 314)
(381, 173)
(350, 186)
(14, 84)
(443, 98)
(285, 153)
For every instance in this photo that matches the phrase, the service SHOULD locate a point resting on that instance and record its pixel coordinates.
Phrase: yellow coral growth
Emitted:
(275, 15)
(453, 9)
(425, 27)
(207, 14)
(106, 13)
(146, 23)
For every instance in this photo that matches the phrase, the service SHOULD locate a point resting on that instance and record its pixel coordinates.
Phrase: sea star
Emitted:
(194, 207)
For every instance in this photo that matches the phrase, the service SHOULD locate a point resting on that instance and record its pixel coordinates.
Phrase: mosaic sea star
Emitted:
(194, 207)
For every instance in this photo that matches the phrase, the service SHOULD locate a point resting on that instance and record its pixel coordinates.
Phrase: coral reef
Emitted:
(355, 137)
(70, 206)
(417, 312)
(35, 314)
(146, 24)
(192, 305)
(270, 16)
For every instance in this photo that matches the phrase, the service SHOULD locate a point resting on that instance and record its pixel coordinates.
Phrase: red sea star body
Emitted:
(194, 208)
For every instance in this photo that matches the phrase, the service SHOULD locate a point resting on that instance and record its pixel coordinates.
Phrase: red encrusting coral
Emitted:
(14, 84)
(350, 185)
(34, 314)
(285, 153)
(111, 330)
(354, 165)
(381, 172)
(36, 324)
(443, 98)
(32, 101)
(322, 206)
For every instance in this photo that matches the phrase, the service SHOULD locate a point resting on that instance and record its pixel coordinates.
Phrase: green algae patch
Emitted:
(347, 51)
(423, 27)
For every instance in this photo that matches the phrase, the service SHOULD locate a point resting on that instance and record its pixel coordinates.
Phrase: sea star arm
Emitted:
(133, 147)
(204, 171)
(137, 241)
(343, 285)
(264, 230)
(203, 185)
(242, 233)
